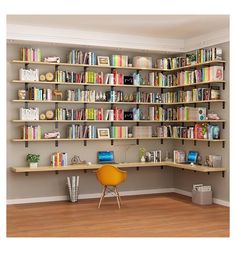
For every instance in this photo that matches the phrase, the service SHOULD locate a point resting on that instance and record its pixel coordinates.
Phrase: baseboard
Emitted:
(87, 196)
(97, 195)
(215, 200)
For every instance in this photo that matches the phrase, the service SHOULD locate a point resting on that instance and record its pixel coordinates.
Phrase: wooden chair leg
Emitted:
(102, 196)
(117, 197)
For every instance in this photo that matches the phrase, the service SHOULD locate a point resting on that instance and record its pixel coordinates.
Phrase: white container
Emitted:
(142, 62)
(33, 165)
(202, 197)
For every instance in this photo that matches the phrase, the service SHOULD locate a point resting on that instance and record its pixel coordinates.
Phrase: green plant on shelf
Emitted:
(32, 158)
(142, 154)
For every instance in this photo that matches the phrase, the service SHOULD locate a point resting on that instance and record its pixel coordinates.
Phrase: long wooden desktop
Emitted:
(196, 168)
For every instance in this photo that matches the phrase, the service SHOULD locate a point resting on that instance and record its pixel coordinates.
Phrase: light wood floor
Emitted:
(162, 215)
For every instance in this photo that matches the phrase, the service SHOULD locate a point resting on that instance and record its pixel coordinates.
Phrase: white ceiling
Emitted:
(161, 26)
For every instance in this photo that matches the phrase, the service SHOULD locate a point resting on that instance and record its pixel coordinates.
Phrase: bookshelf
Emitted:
(137, 88)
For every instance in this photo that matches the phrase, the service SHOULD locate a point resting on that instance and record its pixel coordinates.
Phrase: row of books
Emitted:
(35, 93)
(119, 132)
(28, 74)
(81, 95)
(179, 156)
(198, 131)
(200, 56)
(203, 55)
(81, 131)
(205, 74)
(29, 114)
(59, 159)
(31, 132)
(119, 60)
(78, 57)
(30, 54)
(199, 94)
(69, 76)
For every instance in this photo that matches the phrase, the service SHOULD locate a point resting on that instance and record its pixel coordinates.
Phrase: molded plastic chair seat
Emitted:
(109, 175)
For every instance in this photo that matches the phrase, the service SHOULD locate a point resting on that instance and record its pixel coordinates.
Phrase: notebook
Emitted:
(106, 157)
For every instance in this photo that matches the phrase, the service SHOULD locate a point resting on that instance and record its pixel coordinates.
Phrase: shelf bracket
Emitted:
(182, 142)
(112, 142)
(223, 125)
(208, 173)
(195, 105)
(56, 172)
(223, 174)
(161, 141)
(223, 86)
(223, 144)
(85, 171)
(162, 167)
(209, 144)
(195, 143)
(56, 143)
(137, 168)
(26, 174)
(137, 142)
(223, 105)
(26, 144)
(209, 105)
(85, 143)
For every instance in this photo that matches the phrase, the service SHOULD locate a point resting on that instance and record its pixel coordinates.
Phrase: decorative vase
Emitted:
(142, 159)
(33, 165)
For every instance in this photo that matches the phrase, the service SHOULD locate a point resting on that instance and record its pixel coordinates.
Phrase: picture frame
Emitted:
(103, 133)
(103, 60)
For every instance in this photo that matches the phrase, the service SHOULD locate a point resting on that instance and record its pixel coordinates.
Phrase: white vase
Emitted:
(142, 159)
(33, 165)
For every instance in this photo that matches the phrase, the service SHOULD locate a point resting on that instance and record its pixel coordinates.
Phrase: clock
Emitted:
(49, 76)
(42, 116)
(49, 114)
(42, 78)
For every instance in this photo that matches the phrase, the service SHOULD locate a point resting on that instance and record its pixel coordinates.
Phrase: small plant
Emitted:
(141, 152)
(32, 158)
(192, 57)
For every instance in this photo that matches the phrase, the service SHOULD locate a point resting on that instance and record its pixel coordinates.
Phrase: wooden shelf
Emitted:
(108, 139)
(197, 168)
(118, 85)
(117, 103)
(115, 67)
(118, 121)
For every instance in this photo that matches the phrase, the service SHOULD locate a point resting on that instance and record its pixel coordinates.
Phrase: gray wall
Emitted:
(35, 185)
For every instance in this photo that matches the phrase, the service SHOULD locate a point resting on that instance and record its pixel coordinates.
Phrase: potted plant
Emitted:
(142, 154)
(33, 160)
(191, 58)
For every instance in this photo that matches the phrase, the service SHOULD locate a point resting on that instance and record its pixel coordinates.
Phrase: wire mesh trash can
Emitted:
(73, 187)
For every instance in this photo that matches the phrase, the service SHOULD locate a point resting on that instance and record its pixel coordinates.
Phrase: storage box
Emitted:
(142, 131)
(202, 197)
(142, 62)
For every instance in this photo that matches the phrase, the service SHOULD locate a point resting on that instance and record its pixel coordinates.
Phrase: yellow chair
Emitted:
(109, 175)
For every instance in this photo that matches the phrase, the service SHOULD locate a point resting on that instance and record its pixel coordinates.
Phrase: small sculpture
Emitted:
(56, 93)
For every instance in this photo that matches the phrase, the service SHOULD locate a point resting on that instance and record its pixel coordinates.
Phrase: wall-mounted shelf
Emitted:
(117, 103)
(118, 121)
(108, 139)
(120, 85)
(117, 67)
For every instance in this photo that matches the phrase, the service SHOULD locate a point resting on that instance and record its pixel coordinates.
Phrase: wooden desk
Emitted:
(197, 168)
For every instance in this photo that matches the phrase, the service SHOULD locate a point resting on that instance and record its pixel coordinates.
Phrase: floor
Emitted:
(161, 215)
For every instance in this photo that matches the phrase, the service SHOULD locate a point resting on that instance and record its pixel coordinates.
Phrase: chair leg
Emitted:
(102, 196)
(117, 197)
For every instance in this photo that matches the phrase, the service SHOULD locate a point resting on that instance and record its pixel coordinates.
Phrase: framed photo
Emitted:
(103, 61)
(103, 133)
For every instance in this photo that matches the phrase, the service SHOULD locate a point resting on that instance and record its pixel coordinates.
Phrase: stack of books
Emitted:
(40, 93)
(119, 60)
(179, 156)
(29, 114)
(79, 57)
(28, 74)
(81, 131)
(119, 132)
(30, 132)
(59, 159)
